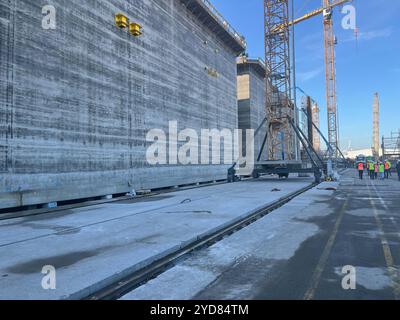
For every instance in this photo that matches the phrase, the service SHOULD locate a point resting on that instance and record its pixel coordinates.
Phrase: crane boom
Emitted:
(309, 15)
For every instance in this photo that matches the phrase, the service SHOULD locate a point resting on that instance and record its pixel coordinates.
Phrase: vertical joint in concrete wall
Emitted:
(7, 60)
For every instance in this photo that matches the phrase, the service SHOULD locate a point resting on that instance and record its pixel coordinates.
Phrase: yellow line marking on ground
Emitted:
(309, 295)
(393, 271)
(379, 196)
(386, 208)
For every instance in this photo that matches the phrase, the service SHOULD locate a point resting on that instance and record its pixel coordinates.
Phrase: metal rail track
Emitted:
(143, 275)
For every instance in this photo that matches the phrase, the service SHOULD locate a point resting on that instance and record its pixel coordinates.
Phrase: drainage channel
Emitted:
(140, 277)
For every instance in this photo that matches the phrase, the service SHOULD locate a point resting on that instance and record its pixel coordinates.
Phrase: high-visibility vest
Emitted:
(381, 168)
(360, 166)
(376, 168)
(371, 166)
(386, 166)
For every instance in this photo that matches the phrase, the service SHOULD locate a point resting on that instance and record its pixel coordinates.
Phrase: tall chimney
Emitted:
(376, 140)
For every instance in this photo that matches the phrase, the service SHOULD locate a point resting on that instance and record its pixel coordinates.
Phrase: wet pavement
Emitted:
(363, 232)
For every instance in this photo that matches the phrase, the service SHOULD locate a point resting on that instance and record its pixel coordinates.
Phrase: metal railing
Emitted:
(245, 59)
(218, 16)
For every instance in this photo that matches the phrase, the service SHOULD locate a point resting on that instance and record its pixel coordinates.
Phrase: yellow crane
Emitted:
(327, 6)
(330, 71)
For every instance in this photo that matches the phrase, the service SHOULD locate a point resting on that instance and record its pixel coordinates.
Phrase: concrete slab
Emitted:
(92, 246)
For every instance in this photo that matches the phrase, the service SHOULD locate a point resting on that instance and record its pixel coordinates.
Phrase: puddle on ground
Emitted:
(35, 266)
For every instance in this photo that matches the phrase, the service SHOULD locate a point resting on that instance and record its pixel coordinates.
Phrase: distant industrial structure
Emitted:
(386, 147)
(316, 119)
(391, 146)
(353, 154)
(376, 127)
(310, 120)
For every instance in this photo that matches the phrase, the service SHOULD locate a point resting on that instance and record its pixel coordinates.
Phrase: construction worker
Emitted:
(360, 168)
(376, 170)
(398, 168)
(371, 170)
(382, 171)
(386, 164)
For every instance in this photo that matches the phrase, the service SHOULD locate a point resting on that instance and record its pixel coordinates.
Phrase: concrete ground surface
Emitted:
(304, 250)
(92, 246)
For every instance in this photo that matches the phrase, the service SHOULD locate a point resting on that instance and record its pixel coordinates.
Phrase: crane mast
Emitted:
(277, 57)
(330, 81)
(279, 105)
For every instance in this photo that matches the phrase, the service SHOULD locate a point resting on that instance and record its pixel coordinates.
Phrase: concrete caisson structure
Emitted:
(77, 102)
(252, 99)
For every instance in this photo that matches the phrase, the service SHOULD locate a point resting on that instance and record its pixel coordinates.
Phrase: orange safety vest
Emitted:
(376, 168)
(360, 166)
(386, 166)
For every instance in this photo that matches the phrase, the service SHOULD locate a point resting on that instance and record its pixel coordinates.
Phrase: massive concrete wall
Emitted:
(76, 102)
(252, 99)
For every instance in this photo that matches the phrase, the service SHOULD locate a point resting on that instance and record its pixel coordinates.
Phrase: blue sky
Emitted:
(364, 66)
